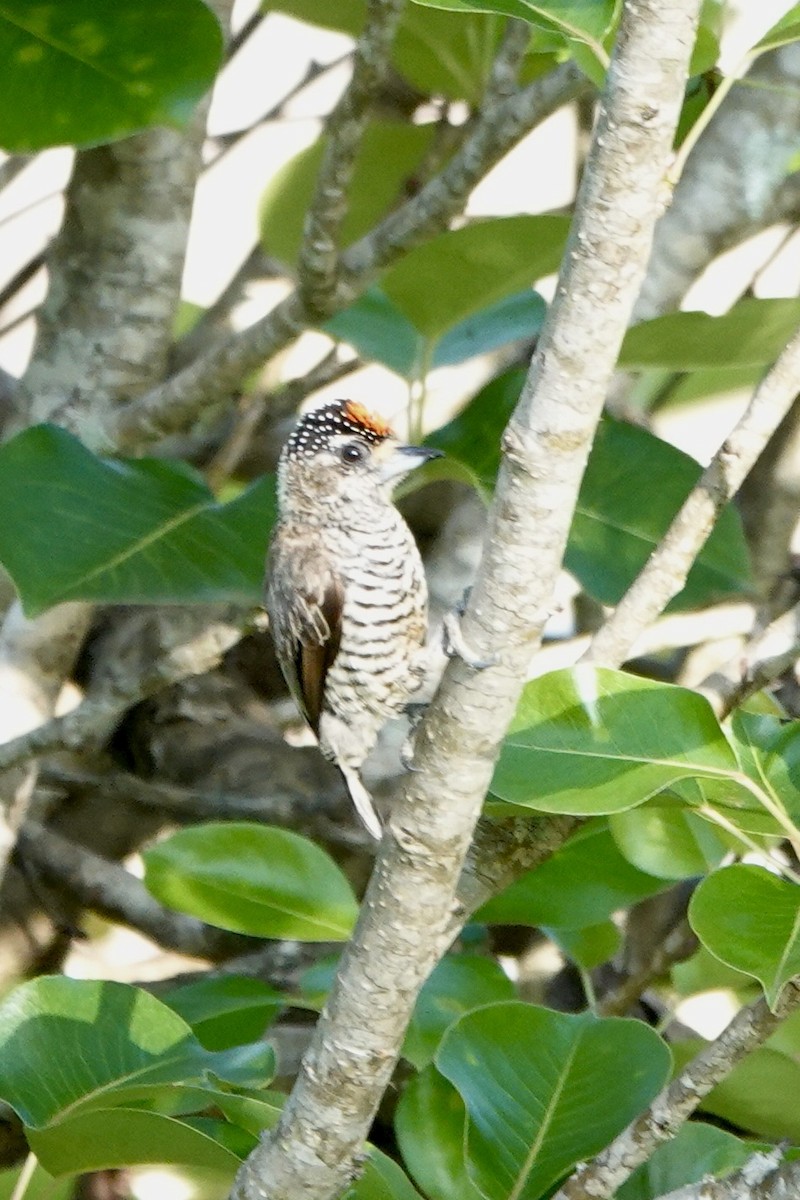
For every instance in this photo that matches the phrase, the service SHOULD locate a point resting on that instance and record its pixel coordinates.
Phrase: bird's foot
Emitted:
(454, 643)
(415, 712)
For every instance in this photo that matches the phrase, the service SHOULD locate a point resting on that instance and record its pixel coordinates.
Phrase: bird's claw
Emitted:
(454, 644)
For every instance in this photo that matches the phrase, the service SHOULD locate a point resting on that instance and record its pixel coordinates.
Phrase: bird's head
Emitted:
(341, 453)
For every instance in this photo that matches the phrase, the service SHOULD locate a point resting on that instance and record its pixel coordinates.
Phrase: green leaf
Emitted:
(586, 22)
(77, 527)
(515, 317)
(613, 533)
(459, 983)
(582, 884)
(695, 1153)
(704, 973)
(750, 919)
(768, 750)
(544, 1090)
(753, 333)
(39, 1186)
(589, 946)
(439, 53)
(754, 1096)
(670, 842)
(784, 31)
(121, 1137)
(77, 72)
(253, 879)
(229, 1011)
(102, 1043)
(587, 741)
(382, 1179)
(387, 160)
(429, 1125)
(461, 271)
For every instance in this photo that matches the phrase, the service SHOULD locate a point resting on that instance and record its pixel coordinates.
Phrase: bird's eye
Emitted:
(352, 452)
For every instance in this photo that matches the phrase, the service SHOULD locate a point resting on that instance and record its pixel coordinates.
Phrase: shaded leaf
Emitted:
(457, 984)
(382, 1179)
(228, 1011)
(754, 1096)
(588, 946)
(670, 842)
(253, 879)
(696, 1152)
(39, 1186)
(544, 1090)
(387, 158)
(580, 885)
(78, 527)
(81, 73)
(588, 740)
(120, 1137)
(750, 919)
(753, 333)
(464, 270)
(429, 1125)
(98, 1044)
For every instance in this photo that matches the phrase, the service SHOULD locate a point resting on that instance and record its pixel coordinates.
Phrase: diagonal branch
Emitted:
(407, 916)
(752, 1025)
(665, 573)
(176, 404)
(318, 266)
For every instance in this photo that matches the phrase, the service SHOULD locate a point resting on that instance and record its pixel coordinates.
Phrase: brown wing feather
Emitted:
(304, 599)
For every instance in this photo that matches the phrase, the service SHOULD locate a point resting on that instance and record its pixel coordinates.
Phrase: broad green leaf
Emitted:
(39, 1186)
(77, 72)
(254, 1113)
(613, 533)
(750, 919)
(784, 31)
(585, 22)
(754, 1096)
(253, 879)
(121, 1137)
(388, 157)
(670, 842)
(753, 333)
(461, 271)
(99, 1044)
(697, 1151)
(768, 749)
(228, 1011)
(588, 946)
(703, 973)
(78, 527)
(588, 741)
(437, 52)
(429, 1125)
(544, 1090)
(382, 1179)
(459, 982)
(580, 885)
(376, 328)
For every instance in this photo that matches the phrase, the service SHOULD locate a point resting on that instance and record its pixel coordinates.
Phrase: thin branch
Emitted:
(668, 567)
(752, 1025)
(677, 946)
(108, 889)
(318, 263)
(408, 913)
(761, 1177)
(176, 404)
(768, 655)
(95, 717)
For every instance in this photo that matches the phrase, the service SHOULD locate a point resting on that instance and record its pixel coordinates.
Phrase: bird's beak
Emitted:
(404, 459)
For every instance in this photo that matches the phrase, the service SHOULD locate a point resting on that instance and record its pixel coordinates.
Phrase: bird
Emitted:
(345, 592)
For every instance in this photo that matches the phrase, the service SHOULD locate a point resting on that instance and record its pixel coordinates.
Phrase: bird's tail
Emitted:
(362, 801)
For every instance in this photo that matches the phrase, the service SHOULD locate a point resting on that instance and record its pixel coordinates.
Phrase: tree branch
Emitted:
(318, 264)
(108, 889)
(176, 404)
(668, 566)
(752, 1025)
(407, 915)
(760, 1178)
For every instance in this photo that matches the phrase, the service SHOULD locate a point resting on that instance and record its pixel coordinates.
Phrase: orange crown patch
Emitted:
(370, 422)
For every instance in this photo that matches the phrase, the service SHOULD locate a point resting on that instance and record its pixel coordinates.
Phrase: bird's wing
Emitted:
(304, 599)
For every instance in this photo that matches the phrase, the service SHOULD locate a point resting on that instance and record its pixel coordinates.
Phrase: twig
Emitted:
(110, 890)
(407, 916)
(176, 404)
(760, 1178)
(318, 263)
(665, 572)
(95, 717)
(752, 1025)
(770, 653)
(677, 946)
